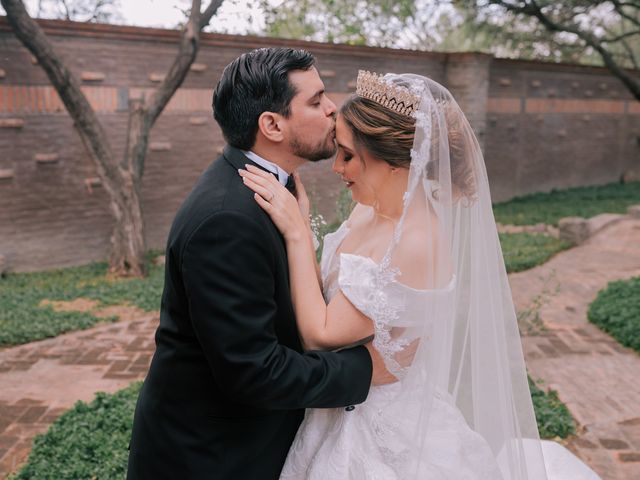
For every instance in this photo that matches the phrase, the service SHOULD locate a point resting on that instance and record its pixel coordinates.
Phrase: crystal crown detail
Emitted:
(394, 97)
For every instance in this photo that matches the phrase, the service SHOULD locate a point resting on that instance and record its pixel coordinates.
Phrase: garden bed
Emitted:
(616, 310)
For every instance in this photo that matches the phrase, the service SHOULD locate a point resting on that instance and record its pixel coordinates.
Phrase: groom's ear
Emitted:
(270, 126)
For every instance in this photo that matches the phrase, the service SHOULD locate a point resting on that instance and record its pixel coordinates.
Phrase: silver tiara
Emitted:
(394, 97)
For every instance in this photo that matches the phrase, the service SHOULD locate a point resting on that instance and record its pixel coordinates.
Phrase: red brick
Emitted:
(32, 415)
(629, 456)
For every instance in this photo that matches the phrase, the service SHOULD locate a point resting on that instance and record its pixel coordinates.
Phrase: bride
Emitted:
(417, 265)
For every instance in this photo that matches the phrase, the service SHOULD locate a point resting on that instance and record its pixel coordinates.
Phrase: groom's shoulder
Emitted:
(218, 197)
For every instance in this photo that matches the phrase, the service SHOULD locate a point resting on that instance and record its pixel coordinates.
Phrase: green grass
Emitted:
(616, 310)
(573, 202)
(90, 440)
(553, 416)
(87, 442)
(23, 320)
(523, 251)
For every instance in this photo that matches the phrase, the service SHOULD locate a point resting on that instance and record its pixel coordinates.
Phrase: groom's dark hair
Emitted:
(254, 83)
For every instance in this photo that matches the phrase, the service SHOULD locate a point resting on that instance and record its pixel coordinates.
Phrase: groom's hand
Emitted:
(381, 375)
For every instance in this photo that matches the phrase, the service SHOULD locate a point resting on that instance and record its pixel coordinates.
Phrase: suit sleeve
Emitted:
(228, 275)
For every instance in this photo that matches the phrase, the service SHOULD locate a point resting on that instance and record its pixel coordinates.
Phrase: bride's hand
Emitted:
(277, 201)
(301, 195)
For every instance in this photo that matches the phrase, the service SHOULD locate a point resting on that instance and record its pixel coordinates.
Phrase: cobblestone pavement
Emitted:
(597, 378)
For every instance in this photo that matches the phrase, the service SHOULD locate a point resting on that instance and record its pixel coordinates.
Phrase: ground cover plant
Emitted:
(523, 251)
(553, 416)
(26, 314)
(584, 202)
(616, 310)
(90, 440)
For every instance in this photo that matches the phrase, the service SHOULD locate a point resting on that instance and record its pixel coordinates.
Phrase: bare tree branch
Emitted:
(618, 7)
(188, 49)
(532, 8)
(209, 12)
(620, 37)
(121, 180)
(630, 53)
(66, 8)
(626, 4)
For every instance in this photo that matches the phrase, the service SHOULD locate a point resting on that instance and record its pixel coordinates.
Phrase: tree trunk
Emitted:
(127, 240)
(122, 182)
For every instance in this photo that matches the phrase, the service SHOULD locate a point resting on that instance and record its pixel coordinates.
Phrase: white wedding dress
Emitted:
(361, 442)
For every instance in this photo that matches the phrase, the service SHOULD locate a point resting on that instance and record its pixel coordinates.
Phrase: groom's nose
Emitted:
(331, 108)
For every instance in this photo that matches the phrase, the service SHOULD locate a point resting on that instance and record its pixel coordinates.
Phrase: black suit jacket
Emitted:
(229, 380)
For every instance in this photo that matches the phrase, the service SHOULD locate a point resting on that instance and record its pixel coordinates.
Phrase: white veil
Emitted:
(448, 328)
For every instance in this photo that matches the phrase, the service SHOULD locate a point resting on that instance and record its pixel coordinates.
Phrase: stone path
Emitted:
(598, 379)
(40, 380)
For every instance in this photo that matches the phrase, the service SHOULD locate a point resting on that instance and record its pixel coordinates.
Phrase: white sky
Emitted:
(232, 16)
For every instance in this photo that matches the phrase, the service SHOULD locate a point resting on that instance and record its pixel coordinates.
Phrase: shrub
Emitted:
(572, 202)
(616, 310)
(553, 416)
(523, 251)
(87, 442)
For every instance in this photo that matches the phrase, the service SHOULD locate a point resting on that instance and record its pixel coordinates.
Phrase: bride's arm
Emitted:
(321, 326)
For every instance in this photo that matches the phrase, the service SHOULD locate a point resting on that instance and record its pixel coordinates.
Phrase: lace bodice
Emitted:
(395, 309)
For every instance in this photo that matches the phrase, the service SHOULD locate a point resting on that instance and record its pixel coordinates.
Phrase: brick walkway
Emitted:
(598, 379)
(40, 380)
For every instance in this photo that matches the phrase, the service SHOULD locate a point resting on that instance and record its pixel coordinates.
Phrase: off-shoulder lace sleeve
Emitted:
(367, 286)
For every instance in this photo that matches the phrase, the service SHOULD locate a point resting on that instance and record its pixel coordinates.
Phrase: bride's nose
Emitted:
(337, 166)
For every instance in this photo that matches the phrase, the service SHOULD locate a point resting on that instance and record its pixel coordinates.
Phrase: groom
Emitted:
(229, 381)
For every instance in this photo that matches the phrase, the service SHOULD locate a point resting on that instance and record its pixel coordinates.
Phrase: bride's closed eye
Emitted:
(346, 156)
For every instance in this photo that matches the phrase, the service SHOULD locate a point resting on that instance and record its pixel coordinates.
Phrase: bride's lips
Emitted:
(348, 183)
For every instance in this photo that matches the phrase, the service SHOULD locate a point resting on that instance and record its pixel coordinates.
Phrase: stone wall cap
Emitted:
(634, 211)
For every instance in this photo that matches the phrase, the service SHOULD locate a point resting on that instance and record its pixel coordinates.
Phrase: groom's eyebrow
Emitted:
(316, 95)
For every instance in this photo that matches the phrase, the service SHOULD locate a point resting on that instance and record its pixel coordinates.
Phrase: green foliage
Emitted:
(23, 319)
(383, 23)
(553, 416)
(523, 251)
(517, 31)
(89, 441)
(616, 310)
(572, 202)
(344, 206)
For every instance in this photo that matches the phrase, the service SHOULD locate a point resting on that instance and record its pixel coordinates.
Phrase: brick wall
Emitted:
(542, 126)
(556, 126)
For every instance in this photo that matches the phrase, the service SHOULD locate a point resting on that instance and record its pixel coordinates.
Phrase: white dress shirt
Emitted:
(282, 178)
(281, 175)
